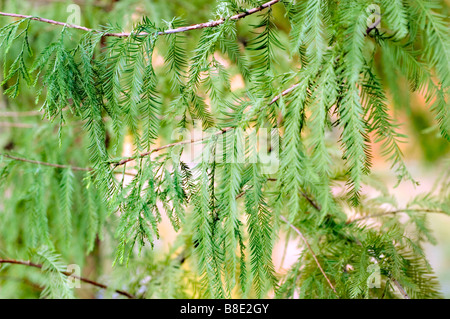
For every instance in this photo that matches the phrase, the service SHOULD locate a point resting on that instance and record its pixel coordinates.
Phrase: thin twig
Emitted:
(25, 113)
(400, 288)
(311, 251)
(395, 281)
(373, 26)
(287, 91)
(223, 131)
(306, 196)
(131, 158)
(88, 281)
(75, 168)
(127, 34)
(406, 210)
(85, 169)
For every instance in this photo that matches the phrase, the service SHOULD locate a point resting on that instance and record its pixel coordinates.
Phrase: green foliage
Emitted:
(314, 73)
(56, 284)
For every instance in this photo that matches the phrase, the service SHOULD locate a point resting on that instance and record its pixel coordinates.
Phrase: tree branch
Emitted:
(21, 159)
(395, 281)
(311, 251)
(373, 26)
(127, 34)
(129, 159)
(287, 91)
(400, 288)
(406, 210)
(85, 280)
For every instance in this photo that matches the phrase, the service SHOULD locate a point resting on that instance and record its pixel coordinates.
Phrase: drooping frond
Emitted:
(56, 285)
(187, 152)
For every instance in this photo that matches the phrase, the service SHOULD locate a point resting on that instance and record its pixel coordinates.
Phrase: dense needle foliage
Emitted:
(321, 92)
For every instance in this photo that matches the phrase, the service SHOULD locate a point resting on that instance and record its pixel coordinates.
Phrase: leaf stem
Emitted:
(85, 280)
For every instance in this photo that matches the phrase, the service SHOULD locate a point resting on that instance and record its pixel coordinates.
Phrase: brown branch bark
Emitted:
(127, 34)
(85, 280)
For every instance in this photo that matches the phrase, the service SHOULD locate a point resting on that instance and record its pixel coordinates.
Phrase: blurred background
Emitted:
(426, 153)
